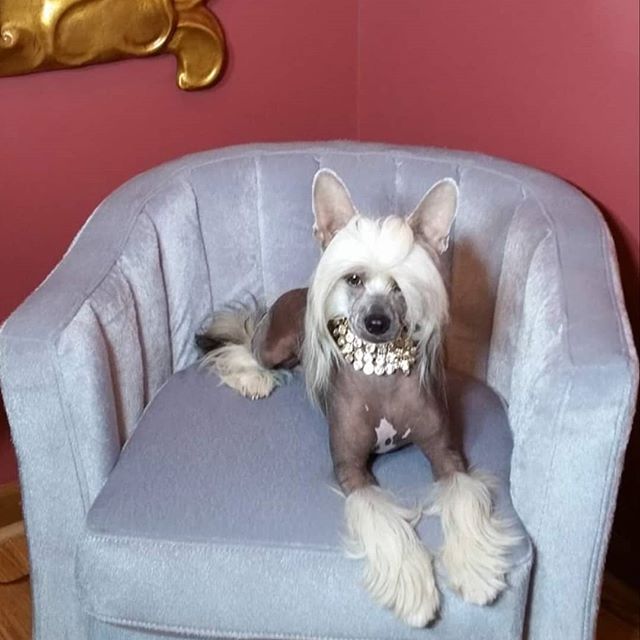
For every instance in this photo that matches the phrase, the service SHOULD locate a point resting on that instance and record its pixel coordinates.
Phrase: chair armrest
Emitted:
(62, 458)
(79, 360)
(55, 357)
(562, 355)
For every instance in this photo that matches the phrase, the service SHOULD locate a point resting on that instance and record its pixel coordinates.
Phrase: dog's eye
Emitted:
(394, 286)
(354, 280)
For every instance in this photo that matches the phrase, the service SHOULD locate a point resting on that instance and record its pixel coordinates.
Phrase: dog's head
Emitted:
(382, 275)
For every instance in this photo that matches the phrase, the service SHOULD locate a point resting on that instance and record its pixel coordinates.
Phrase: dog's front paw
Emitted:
(475, 569)
(408, 589)
(398, 571)
(476, 542)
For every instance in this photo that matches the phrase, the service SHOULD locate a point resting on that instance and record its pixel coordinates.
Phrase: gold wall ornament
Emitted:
(40, 35)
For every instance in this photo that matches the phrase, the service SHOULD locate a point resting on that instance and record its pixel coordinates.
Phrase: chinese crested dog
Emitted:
(368, 333)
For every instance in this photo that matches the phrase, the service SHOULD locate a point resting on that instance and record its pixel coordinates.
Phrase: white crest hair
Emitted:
(384, 247)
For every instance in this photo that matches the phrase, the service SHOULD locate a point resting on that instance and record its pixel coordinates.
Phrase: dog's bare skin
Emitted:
(277, 342)
(418, 412)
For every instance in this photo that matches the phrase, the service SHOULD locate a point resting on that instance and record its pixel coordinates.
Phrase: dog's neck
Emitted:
(370, 358)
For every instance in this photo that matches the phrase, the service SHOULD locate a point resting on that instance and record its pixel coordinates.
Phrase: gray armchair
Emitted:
(157, 502)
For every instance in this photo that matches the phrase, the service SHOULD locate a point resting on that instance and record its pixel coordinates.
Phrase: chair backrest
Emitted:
(254, 212)
(219, 226)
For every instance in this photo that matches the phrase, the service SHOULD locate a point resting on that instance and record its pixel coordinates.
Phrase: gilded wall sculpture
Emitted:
(39, 35)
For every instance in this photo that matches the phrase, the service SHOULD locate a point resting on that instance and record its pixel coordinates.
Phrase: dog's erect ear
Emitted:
(332, 206)
(431, 220)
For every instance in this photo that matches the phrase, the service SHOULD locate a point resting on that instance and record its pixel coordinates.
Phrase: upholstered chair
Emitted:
(159, 503)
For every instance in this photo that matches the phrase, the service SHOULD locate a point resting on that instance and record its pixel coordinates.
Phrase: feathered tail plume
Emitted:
(227, 343)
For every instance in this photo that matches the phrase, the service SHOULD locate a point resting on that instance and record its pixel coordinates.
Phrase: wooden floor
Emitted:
(15, 610)
(619, 617)
(15, 598)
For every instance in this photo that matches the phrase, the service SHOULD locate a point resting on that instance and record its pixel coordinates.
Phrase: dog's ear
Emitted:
(332, 206)
(431, 220)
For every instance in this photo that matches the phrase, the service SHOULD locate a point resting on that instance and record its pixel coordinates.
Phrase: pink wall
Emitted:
(551, 83)
(69, 138)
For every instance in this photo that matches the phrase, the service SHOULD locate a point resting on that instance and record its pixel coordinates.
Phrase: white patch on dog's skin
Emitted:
(385, 434)
(406, 434)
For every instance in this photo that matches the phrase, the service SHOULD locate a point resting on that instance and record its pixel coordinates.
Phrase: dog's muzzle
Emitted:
(383, 358)
(377, 324)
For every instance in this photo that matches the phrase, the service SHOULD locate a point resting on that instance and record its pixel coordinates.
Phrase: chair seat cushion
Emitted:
(219, 520)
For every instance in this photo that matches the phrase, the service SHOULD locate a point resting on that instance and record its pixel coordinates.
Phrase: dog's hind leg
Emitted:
(227, 343)
(398, 570)
(252, 349)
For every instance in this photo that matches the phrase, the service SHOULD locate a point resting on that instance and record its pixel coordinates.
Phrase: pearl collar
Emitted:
(383, 358)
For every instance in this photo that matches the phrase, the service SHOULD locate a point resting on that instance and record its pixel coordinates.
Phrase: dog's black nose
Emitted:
(377, 324)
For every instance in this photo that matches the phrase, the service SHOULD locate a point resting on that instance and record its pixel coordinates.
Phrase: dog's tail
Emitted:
(227, 344)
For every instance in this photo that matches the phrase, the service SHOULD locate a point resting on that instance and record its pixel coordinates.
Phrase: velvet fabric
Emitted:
(537, 314)
(220, 518)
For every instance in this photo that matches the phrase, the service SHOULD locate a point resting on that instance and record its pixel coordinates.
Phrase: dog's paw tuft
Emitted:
(253, 384)
(398, 569)
(476, 542)
(237, 368)
(411, 591)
